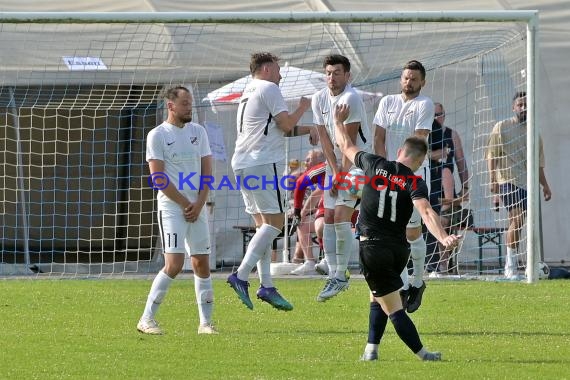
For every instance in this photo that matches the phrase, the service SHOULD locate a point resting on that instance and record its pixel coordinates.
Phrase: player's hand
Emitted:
(191, 212)
(440, 155)
(494, 187)
(454, 202)
(341, 112)
(546, 192)
(304, 103)
(451, 241)
(333, 190)
(464, 194)
(295, 221)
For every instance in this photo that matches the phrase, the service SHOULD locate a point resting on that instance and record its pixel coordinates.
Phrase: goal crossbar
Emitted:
(530, 16)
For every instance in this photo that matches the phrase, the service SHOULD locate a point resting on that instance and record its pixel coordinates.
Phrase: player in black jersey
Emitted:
(390, 192)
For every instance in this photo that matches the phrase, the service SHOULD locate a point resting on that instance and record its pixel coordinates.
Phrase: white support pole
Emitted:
(285, 266)
(532, 144)
(285, 253)
(21, 194)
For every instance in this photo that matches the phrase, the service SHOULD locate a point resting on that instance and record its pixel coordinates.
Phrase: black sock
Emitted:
(377, 320)
(406, 330)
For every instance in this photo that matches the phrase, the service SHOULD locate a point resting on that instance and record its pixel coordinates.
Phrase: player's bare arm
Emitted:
(424, 133)
(493, 152)
(157, 166)
(460, 161)
(433, 223)
(286, 121)
(301, 130)
(545, 188)
(328, 148)
(380, 141)
(351, 130)
(345, 143)
(438, 154)
(492, 168)
(192, 211)
(328, 151)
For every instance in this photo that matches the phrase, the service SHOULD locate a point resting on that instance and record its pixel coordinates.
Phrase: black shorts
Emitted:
(513, 196)
(382, 263)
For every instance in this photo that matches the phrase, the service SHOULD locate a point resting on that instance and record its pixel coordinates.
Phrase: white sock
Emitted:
(418, 254)
(204, 298)
(371, 347)
(511, 261)
(344, 239)
(421, 353)
(405, 278)
(329, 246)
(264, 268)
(256, 249)
(156, 294)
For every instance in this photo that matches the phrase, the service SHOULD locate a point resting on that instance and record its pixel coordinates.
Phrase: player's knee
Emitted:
(201, 265)
(173, 270)
(413, 233)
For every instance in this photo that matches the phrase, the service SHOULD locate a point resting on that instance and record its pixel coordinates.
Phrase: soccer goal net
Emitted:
(80, 92)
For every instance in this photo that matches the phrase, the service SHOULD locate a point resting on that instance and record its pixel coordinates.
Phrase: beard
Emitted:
(411, 91)
(521, 116)
(334, 88)
(186, 119)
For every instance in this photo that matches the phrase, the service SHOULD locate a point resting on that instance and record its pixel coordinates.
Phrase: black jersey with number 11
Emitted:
(386, 205)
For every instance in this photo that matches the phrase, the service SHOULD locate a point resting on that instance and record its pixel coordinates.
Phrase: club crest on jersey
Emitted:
(194, 140)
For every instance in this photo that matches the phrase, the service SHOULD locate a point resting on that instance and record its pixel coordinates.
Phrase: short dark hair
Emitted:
(519, 94)
(259, 59)
(416, 66)
(173, 93)
(416, 147)
(335, 59)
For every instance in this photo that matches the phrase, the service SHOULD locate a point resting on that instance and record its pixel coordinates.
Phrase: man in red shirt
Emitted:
(305, 208)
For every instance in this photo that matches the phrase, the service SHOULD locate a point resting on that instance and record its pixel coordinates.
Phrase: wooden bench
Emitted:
(247, 233)
(488, 238)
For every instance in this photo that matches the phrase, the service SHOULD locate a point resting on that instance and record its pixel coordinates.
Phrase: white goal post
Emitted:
(80, 91)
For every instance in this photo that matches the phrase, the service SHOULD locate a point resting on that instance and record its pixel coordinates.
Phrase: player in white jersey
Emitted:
(397, 118)
(178, 154)
(337, 234)
(263, 122)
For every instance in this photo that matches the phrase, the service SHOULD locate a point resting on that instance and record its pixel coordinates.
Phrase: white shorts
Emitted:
(180, 236)
(416, 219)
(342, 198)
(257, 186)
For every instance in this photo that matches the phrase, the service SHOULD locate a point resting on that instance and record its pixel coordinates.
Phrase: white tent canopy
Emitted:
(295, 83)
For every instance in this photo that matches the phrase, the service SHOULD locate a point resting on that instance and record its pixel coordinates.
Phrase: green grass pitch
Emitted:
(86, 329)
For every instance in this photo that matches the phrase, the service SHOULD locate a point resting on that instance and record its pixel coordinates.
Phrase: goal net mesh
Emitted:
(78, 99)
